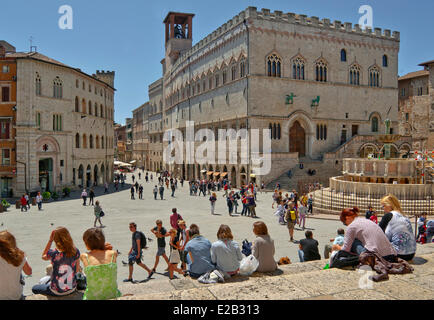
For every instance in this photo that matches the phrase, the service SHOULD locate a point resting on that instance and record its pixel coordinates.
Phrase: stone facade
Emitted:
(141, 136)
(64, 125)
(314, 83)
(416, 105)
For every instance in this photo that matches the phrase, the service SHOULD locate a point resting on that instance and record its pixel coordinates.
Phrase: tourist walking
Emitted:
(212, 200)
(291, 220)
(161, 192)
(251, 205)
(100, 267)
(172, 186)
(91, 196)
(98, 214)
(23, 203)
(174, 257)
(155, 192)
(39, 200)
(141, 192)
(160, 232)
(84, 196)
(175, 217)
(105, 187)
(302, 212)
(27, 200)
(230, 202)
(13, 261)
(132, 193)
(133, 177)
(135, 254)
(310, 204)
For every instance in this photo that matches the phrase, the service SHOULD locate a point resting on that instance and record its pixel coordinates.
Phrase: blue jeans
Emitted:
(357, 247)
(43, 289)
(301, 255)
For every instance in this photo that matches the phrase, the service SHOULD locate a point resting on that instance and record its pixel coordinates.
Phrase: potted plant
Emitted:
(54, 196)
(5, 204)
(46, 196)
(66, 192)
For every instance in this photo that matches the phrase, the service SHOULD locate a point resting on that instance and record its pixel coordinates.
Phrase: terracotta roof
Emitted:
(416, 74)
(427, 63)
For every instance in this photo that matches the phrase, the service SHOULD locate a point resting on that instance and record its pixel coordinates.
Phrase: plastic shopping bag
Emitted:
(248, 265)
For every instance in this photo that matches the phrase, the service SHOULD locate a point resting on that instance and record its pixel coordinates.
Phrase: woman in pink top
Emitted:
(362, 235)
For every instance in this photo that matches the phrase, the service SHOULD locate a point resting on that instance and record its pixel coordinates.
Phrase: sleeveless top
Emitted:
(101, 281)
(400, 234)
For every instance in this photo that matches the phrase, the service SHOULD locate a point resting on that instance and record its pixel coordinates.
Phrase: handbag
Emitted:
(81, 281)
(102, 214)
(344, 259)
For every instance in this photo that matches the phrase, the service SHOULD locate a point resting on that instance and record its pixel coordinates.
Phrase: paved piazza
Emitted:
(32, 229)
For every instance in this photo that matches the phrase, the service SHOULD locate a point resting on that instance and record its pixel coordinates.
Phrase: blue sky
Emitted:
(128, 36)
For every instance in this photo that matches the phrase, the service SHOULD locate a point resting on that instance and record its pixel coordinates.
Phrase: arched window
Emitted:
(84, 141)
(83, 106)
(77, 141)
(91, 141)
(97, 141)
(321, 132)
(298, 66)
(57, 88)
(343, 55)
(274, 131)
(242, 68)
(90, 107)
(274, 64)
(321, 71)
(96, 109)
(385, 61)
(234, 72)
(374, 77)
(77, 105)
(278, 131)
(101, 113)
(355, 74)
(102, 142)
(38, 84)
(374, 124)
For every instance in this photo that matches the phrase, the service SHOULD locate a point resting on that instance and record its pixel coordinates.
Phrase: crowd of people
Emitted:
(192, 254)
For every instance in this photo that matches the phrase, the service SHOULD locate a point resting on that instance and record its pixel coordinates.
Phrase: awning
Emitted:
(253, 175)
(224, 174)
(121, 164)
(134, 161)
(203, 171)
(209, 173)
(216, 174)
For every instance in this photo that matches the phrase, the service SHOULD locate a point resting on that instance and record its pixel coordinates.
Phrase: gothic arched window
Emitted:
(343, 55)
(321, 71)
(274, 65)
(374, 124)
(355, 74)
(385, 61)
(298, 66)
(374, 77)
(57, 88)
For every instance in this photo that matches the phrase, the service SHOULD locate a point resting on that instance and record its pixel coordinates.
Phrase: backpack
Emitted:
(344, 259)
(247, 248)
(142, 240)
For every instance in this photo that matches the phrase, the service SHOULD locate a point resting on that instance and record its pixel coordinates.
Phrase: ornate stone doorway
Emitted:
(297, 139)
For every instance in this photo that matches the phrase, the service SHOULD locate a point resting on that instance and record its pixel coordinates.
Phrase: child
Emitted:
(374, 217)
(338, 242)
(302, 210)
(280, 212)
(212, 200)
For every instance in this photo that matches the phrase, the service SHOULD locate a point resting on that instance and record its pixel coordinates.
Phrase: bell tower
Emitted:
(179, 34)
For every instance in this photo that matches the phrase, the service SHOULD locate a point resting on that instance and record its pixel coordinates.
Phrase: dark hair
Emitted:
(133, 224)
(260, 228)
(94, 239)
(193, 230)
(341, 231)
(174, 210)
(308, 234)
(354, 212)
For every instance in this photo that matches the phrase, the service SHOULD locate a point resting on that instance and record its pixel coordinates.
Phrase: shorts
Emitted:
(183, 256)
(161, 251)
(291, 225)
(174, 257)
(132, 258)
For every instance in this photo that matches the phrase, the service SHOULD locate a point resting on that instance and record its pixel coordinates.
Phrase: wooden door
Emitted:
(297, 139)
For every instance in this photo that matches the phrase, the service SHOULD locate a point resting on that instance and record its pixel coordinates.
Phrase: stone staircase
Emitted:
(323, 172)
(296, 281)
